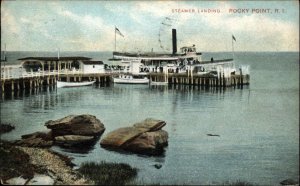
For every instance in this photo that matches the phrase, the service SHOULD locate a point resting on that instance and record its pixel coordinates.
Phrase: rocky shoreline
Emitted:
(30, 161)
(30, 165)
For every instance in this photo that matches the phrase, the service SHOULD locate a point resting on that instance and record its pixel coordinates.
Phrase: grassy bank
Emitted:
(108, 173)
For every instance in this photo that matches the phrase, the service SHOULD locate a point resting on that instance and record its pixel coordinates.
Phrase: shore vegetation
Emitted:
(104, 173)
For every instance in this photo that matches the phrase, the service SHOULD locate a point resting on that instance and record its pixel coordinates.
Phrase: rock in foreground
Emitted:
(85, 125)
(74, 140)
(6, 128)
(73, 130)
(149, 142)
(289, 182)
(145, 137)
(36, 139)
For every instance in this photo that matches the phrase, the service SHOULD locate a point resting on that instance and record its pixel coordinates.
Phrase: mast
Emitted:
(115, 39)
(58, 50)
(232, 38)
(4, 53)
(232, 48)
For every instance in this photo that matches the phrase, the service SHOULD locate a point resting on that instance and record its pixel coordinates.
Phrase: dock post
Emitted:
(18, 85)
(23, 83)
(234, 81)
(12, 85)
(221, 81)
(242, 80)
(224, 80)
(2, 86)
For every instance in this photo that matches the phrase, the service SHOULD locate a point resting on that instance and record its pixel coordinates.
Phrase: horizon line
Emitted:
(144, 51)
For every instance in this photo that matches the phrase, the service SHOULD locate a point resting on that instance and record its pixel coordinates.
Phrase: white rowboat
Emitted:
(61, 84)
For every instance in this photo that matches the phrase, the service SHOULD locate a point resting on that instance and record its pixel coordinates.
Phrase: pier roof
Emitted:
(56, 59)
(92, 62)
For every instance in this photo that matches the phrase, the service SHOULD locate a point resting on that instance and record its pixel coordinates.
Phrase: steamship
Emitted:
(187, 60)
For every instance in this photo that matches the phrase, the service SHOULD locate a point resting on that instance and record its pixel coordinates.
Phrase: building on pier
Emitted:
(59, 64)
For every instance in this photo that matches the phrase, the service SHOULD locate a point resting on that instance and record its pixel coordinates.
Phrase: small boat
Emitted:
(61, 84)
(202, 73)
(159, 83)
(130, 79)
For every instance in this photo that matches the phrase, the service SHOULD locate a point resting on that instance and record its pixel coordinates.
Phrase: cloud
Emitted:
(141, 22)
(94, 33)
(8, 21)
(268, 33)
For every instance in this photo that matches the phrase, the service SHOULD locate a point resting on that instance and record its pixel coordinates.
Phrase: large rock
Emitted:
(149, 142)
(74, 140)
(6, 128)
(120, 136)
(85, 125)
(150, 124)
(289, 182)
(144, 137)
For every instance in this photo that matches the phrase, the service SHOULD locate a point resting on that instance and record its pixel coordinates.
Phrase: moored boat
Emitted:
(159, 83)
(61, 84)
(130, 79)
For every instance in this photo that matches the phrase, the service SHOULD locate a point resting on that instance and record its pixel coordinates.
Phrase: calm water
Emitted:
(258, 125)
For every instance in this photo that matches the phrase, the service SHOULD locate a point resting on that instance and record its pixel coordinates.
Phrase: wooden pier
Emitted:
(201, 80)
(36, 80)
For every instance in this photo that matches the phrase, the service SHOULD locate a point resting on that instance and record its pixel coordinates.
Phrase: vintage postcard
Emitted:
(149, 92)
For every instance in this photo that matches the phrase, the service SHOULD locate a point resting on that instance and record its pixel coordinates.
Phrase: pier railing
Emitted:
(16, 78)
(17, 72)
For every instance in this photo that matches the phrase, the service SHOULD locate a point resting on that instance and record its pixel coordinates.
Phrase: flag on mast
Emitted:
(118, 31)
(233, 38)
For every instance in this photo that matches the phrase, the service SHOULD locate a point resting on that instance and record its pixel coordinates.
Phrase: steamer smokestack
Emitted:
(174, 41)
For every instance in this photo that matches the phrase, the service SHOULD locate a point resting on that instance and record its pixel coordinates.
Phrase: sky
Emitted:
(147, 25)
